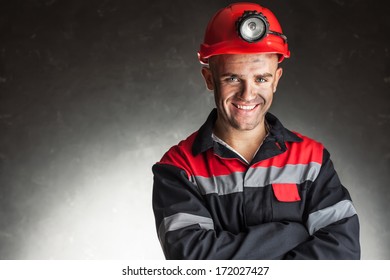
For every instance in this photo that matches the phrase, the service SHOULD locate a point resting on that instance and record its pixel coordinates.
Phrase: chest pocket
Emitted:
(286, 192)
(286, 202)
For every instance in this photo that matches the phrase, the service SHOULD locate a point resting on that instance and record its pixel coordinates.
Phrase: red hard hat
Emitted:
(243, 28)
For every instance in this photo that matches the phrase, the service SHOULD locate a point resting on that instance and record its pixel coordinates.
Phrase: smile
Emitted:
(245, 107)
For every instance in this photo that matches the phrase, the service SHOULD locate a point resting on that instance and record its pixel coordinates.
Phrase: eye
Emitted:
(261, 80)
(232, 79)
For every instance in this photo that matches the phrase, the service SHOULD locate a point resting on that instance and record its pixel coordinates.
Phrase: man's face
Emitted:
(243, 86)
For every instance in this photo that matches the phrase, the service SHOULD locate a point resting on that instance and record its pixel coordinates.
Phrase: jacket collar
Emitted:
(278, 133)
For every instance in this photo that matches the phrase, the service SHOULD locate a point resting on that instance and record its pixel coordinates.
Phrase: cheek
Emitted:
(267, 94)
(266, 89)
(218, 97)
(270, 94)
(271, 86)
(225, 92)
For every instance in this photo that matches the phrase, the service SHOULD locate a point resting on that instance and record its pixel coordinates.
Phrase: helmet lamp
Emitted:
(253, 26)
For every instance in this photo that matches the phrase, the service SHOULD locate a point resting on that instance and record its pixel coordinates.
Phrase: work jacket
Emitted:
(287, 203)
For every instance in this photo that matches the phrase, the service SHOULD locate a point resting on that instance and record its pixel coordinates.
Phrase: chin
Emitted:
(245, 127)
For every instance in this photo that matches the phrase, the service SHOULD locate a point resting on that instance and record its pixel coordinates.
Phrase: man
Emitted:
(243, 186)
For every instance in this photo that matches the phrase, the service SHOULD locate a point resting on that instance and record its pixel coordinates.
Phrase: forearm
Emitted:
(266, 241)
(331, 220)
(338, 241)
(187, 230)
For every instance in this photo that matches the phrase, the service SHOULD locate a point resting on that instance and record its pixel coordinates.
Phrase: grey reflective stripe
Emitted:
(257, 177)
(329, 215)
(290, 173)
(182, 220)
(224, 184)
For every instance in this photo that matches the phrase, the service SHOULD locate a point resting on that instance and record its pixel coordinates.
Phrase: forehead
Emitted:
(244, 61)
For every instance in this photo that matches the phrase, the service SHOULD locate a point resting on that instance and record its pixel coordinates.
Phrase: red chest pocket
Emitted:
(286, 192)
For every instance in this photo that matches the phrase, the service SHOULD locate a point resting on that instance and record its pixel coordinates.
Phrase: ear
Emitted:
(208, 78)
(278, 74)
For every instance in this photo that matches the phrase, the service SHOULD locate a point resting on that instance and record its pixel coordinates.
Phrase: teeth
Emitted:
(243, 107)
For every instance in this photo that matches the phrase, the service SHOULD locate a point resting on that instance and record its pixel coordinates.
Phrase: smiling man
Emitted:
(243, 88)
(243, 186)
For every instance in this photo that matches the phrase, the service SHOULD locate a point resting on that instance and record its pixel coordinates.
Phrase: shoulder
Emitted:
(180, 155)
(308, 142)
(308, 149)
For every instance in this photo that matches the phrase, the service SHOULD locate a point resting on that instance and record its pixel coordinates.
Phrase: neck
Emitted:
(246, 142)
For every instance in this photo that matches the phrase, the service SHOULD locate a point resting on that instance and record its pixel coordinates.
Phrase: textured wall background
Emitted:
(92, 93)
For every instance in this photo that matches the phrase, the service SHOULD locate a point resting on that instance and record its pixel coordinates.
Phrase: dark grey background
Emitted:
(92, 93)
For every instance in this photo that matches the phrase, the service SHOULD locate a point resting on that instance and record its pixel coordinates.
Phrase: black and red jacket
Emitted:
(288, 203)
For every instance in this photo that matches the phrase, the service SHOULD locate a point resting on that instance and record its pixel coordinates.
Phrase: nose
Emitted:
(247, 92)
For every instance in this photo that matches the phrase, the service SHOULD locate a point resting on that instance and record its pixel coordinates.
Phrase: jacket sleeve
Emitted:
(331, 219)
(186, 229)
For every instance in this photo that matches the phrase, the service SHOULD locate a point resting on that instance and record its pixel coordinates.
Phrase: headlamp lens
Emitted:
(253, 28)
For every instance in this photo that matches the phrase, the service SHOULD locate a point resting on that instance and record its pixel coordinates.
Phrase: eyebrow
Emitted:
(265, 75)
(228, 74)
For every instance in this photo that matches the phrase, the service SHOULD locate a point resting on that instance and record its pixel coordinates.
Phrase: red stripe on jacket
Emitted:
(207, 164)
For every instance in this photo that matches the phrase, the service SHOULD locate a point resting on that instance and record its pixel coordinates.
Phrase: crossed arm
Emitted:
(186, 228)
